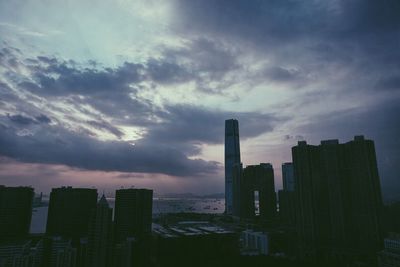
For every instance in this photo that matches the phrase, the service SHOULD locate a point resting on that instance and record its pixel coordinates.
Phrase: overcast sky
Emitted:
(120, 93)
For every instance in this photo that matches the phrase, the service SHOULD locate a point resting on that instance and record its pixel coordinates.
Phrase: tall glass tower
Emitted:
(232, 157)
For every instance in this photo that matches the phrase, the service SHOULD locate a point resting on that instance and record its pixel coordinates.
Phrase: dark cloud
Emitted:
(43, 119)
(292, 137)
(188, 123)
(173, 132)
(24, 120)
(389, 83)
(103, 125)
(201, 60)
(164, 149)
(205, 55)
(55, 145)
(167, 72)
(266, 21)
(281, 74)
(63, 79)
(20, 119)
(321, 38)
(206, 61)
(48, 60)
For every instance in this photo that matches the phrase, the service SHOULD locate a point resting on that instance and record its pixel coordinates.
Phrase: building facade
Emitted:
(133, 213)
(288, 176)
(15, 211)
(100, 235)
(338, 200)
(69, 211)
(232, 157)
(247, 181)
(286, 196)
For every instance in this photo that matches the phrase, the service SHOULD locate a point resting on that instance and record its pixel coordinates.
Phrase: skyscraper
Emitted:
(288, 176)
(248, 181)
(338, 199)
(15, 211)
(99, 238)
(286, 195)
(133, 213)
(258, 178)
(69, 211)
(237, 183)
(232, 157)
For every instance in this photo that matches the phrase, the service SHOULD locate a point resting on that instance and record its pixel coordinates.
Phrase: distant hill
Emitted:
(190, 195)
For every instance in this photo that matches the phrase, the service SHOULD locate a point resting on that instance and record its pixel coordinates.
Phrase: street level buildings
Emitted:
(390, 256)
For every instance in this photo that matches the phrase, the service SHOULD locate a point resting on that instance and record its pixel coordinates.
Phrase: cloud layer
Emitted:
(149, 91)
(89, 102)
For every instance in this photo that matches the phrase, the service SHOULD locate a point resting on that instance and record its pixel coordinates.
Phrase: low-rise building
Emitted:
(185, 243)
(390, 256)
(254, 243)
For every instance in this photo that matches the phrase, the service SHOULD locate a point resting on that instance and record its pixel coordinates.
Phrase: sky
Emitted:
(122, 93)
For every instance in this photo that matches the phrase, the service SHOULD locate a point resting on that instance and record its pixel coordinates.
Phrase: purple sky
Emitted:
(136, 92)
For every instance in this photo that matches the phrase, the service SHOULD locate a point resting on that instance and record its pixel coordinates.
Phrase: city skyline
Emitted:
(137, 92)
(330, 211)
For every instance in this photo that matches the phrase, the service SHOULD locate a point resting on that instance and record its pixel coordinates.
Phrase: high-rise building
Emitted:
(237, 183)
(258, 178)
(338, 199)
(99, 238)
(133, 213)
(287, 196)
(247, 183)
(15, 211)
(288, 176)
(232, 157)
(69, 211)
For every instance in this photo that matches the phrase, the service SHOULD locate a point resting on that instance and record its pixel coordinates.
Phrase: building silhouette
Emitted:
(237, 183)
(338, 200)
(15, 212)
(286, 196)
(288, 176)
(100, 235)
(232, 157)
(69, 211)
(133, 213)
(247, 181)
(258, 178)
